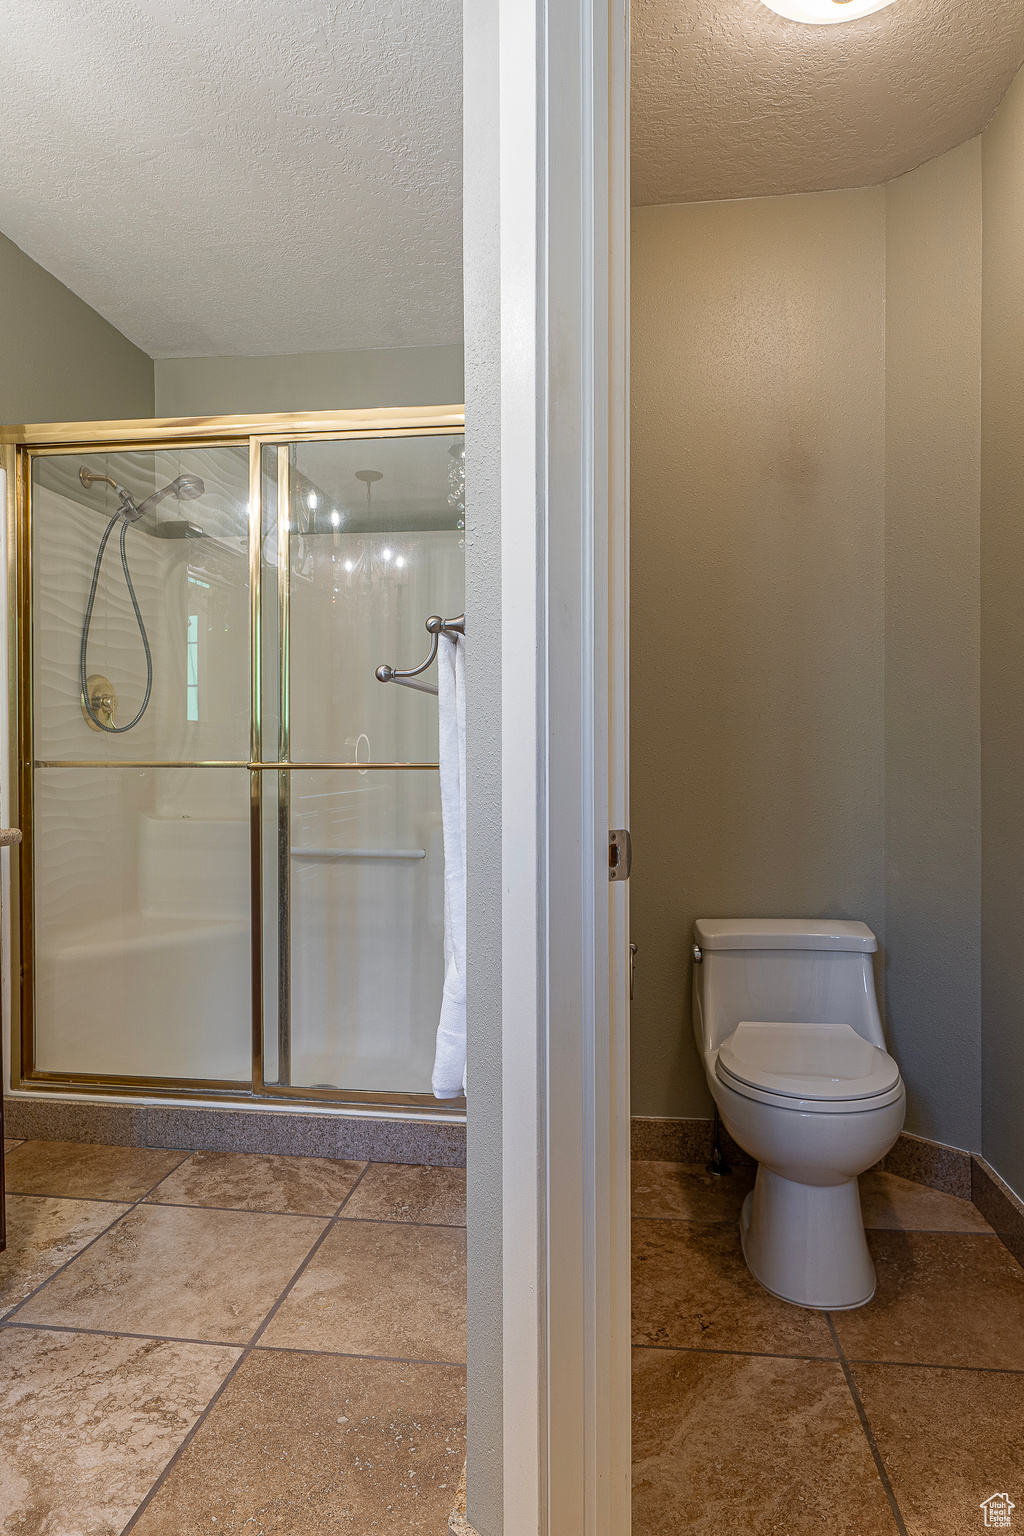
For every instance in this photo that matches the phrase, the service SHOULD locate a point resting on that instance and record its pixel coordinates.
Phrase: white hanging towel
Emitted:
(449, 1077)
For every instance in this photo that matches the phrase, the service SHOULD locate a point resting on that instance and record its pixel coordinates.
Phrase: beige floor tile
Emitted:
(688, 1191)
(949, 1439)
(692, 1289)
(87, 1171)
(185, 1273)
(376, 1288)
(307, 1445)
(943, 1298)
(42, 1235)
(247, 1181)
(887, 1201)
(397, 1192)
(87, 1424)
(9, 1146)
(755, 1446)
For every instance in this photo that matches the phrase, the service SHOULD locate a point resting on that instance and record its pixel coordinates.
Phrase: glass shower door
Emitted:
(232, 871)
(136, 870)
(362, 540)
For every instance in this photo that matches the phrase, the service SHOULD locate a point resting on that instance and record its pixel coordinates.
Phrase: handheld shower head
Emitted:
(99, 704)
(187, 487)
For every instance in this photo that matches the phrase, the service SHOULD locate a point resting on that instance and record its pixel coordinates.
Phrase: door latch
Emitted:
(632, 964)
(620, 855)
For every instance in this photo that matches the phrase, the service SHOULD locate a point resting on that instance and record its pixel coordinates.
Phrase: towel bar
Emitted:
(435, 627)
(359, 853)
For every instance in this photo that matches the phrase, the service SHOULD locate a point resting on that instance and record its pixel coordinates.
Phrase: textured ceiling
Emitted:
(730, 100)
(240, 176)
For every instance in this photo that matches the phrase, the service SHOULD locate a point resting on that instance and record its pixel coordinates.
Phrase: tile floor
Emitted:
(229, 1342)
(256, 1344)
(752, 1416)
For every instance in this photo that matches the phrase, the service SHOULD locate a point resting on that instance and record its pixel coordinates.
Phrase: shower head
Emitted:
(185, 488)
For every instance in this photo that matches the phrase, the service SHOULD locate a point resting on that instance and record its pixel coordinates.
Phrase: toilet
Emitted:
(787, 1026)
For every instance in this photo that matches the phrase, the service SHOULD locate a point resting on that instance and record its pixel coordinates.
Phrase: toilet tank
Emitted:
(783, 971)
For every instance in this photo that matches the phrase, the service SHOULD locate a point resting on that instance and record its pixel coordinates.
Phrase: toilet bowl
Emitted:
(787, 1025)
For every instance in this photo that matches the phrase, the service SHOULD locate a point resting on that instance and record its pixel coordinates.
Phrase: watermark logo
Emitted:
(997, 1509)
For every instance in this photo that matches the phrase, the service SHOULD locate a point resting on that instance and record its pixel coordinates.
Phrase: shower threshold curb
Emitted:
(363, 1136)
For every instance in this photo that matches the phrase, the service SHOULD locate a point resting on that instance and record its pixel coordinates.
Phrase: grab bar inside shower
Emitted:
(435, 627)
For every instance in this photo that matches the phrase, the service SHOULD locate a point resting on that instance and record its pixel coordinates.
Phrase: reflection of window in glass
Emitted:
(192, 668)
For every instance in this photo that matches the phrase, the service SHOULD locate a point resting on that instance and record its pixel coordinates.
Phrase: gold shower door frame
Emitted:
(19, 446)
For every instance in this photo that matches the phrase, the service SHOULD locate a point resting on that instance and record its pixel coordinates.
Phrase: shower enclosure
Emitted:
(241, 895)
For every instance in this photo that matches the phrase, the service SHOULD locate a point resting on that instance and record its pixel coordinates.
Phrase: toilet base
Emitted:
(805, 1242)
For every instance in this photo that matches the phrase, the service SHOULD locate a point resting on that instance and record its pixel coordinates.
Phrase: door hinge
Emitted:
(620, 855)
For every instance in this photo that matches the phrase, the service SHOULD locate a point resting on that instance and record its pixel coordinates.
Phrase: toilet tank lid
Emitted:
(783, 933)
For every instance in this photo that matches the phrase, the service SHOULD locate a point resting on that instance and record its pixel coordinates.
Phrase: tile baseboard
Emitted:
(653, 1140)
(931, 1163)
(656, 1140)
(913, 1157)
(429, 1142)
(1001, 1208)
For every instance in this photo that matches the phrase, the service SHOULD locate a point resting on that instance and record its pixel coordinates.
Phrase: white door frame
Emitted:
(546, 334)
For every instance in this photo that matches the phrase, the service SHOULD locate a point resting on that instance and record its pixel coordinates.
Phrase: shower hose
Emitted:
(113, 730)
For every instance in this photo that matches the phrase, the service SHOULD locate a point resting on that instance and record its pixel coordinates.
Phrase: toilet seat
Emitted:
(812, 1067)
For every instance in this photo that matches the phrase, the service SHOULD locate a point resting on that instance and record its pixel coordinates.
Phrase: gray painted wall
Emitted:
(309, 381)
(757, 587)
(933, 642)
(61, 360)
(64, 362)
(1002, 694)
(758, 740)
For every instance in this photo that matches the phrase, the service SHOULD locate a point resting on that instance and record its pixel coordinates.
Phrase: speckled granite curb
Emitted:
(440, 1144)
(116, 1125)
(1001, 1208)
(458, 1525)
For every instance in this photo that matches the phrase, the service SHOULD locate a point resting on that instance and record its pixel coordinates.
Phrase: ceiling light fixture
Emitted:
(825, 12)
